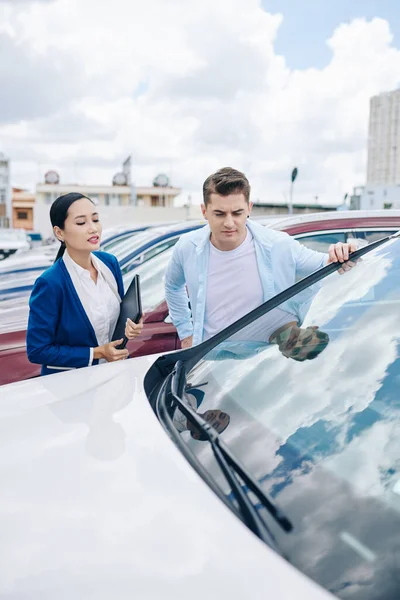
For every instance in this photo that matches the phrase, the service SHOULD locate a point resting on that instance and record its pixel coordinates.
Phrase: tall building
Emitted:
(384, 140)
(5, 191)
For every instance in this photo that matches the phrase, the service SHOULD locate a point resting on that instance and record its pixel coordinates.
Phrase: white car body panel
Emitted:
(98, 503)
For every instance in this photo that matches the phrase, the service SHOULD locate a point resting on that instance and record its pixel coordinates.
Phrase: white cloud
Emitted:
(187, 87)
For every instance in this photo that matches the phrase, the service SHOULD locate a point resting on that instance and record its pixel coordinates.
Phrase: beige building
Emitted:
(111, 195)
(384, 140)
(5, 191)
(23, 203)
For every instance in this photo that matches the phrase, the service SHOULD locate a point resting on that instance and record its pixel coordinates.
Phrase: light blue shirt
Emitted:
(281, 260)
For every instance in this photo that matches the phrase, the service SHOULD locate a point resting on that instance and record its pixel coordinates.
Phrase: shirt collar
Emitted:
(81, 272)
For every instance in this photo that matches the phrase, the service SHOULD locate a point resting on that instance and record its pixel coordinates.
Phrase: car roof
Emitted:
(336, 219)
(173, 227)
(151, 236)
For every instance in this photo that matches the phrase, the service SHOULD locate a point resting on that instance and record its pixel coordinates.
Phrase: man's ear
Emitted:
(204, 210)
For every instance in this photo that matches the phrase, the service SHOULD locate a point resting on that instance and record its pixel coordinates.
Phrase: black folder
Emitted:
(131, 307)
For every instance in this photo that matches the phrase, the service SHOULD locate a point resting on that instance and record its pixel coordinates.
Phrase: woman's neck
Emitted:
(83, 259)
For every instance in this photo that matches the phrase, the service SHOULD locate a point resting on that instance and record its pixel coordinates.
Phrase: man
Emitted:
(232, 265)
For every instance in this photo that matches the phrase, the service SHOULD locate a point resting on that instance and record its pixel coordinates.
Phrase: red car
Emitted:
(317, 231)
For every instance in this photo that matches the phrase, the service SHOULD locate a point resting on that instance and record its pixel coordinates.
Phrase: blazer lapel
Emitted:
(107, 274)
(79, 304)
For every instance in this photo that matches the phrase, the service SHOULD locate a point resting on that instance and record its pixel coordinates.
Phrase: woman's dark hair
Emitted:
(59, 211)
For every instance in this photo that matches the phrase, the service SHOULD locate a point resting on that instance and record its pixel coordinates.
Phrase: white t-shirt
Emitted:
(234, 289)
(233, 286)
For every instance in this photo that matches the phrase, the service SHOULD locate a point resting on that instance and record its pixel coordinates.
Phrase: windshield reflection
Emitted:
(321, 435)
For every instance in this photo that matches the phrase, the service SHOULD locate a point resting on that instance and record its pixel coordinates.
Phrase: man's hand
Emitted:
(340, 253)
(187, 342)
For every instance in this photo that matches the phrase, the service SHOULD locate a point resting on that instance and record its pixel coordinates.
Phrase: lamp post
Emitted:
(292, 180)
(188, 206)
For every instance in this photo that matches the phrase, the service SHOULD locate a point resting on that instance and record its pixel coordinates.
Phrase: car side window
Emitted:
(372, 236)
(158, 249)
(322, 241)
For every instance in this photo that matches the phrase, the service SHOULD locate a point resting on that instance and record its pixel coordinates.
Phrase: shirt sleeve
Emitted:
(43, 320)
(91, 357)
(307, 261)
(177, 297)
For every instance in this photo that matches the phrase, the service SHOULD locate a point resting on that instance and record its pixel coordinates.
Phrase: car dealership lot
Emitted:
(105, 496)
(151, 252)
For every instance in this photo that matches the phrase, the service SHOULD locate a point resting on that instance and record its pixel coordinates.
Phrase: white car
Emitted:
(260, 464)
(12, 240)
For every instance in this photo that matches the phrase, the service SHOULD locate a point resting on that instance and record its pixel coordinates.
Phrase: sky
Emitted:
(308, 24)
(187, 87)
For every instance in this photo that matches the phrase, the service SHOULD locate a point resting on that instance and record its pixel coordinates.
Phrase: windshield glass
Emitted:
(309, 401)
(151, 280)
(128, 245)
(114, 243)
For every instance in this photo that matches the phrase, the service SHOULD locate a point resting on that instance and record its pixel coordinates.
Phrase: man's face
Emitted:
(227, 216)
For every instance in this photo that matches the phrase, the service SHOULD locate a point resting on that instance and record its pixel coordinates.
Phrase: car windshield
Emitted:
(310, 404)
(151, 280)
(110, 246)
(17, 279)
(129, 244)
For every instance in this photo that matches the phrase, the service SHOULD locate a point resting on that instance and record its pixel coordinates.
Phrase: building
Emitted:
(5, 191)
(118, 194)
(384, 140)
(282, 208)
(375, 197)
(23, 203)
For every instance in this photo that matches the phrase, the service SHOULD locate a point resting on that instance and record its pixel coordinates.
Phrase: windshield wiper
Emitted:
(232, 470)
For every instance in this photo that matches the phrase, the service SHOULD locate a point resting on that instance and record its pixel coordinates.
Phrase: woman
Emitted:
(75, 304)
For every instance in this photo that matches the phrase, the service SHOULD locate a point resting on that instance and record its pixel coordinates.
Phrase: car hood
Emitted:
(98, 503)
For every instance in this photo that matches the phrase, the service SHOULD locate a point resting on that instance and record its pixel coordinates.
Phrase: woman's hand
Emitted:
(132, 330)
(110, 352)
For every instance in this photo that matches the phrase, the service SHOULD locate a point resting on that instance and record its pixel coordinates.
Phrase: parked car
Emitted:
(148, 244)
(306, 446)
(41, 257)
(12, 240)
(298, 497)
(159, 335)
(131, 248)
(319, 230)
(18, 275)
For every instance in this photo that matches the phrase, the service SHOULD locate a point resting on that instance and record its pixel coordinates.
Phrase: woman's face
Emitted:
(82, 228)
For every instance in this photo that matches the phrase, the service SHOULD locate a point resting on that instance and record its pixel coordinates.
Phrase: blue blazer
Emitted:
(59, 334)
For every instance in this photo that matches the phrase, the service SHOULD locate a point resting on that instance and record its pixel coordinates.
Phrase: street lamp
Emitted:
(292, 180)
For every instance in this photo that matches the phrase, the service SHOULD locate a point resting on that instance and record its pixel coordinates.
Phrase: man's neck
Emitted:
(227, 246)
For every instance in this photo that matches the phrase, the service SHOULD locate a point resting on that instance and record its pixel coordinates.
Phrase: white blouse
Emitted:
(100, 300)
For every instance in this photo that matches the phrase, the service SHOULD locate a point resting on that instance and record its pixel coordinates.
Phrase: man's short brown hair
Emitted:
(224, 182)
